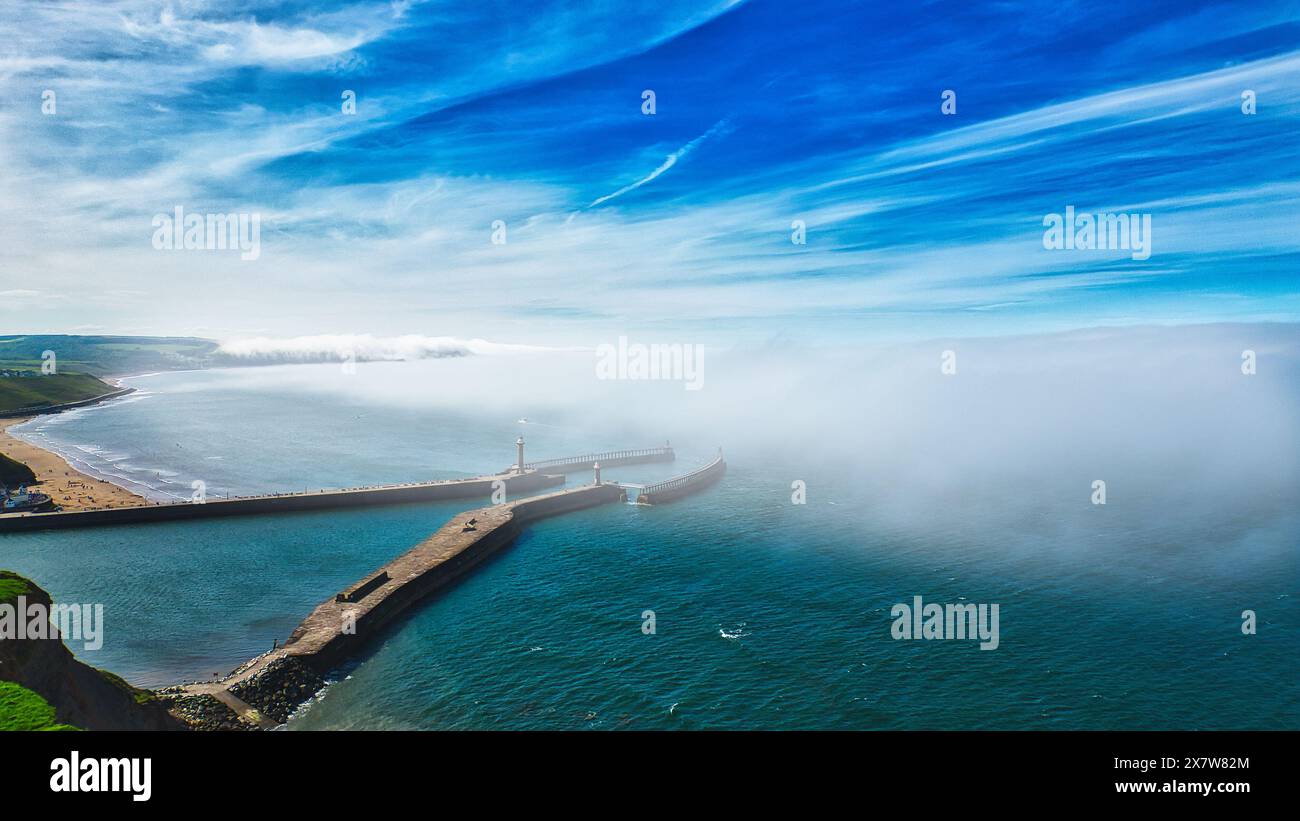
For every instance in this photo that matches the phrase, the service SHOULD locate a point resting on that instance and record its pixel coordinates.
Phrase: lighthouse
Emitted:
(519, 443)
(596, 466)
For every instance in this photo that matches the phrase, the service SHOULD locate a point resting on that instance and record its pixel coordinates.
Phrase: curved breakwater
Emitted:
(687, 483)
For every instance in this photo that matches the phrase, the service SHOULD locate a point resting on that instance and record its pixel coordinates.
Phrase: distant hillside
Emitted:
(37, 391)
(80, 359)
(107, 355)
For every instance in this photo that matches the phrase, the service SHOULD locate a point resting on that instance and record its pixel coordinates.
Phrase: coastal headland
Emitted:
(28, 412)
(44, 686)
(25, 394)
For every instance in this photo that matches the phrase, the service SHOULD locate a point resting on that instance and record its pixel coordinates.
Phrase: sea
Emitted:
(767, 601)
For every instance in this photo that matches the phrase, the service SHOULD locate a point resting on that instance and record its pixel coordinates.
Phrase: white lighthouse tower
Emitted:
(519, 443)
(596, 467)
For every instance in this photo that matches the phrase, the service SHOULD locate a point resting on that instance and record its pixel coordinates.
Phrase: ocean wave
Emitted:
(736, 633)
(89, 459)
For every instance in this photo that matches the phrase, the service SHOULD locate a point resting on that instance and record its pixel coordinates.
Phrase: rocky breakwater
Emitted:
(203, 711)
(277, 689)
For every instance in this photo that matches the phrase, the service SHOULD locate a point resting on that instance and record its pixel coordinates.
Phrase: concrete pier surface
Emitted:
(536, 476)
(340, 626)
(609, 459)
(265, 691)
(480, 487)
(458, 546)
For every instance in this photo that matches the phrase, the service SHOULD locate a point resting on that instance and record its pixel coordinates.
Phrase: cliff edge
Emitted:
(81, 696)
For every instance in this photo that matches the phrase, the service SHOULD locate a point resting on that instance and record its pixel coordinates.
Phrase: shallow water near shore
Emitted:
(767, 614)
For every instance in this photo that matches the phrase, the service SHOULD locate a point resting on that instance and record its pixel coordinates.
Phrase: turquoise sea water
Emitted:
(768, 614)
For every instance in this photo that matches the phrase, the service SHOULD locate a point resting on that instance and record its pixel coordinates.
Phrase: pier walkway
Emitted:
(609, 459)
(340, 625)
(679, 486)
(271, 685)
(481, 487)
(536, 476)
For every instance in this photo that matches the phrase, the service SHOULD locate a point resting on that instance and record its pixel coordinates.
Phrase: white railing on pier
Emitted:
(682, 481)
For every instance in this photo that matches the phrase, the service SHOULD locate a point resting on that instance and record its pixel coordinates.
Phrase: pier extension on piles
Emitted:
(687, 483)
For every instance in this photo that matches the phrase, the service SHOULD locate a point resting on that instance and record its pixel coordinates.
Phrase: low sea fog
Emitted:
(1147, 438)
(1181, 432)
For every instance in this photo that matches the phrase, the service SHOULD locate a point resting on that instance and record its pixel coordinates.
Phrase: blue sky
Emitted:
(675, 225)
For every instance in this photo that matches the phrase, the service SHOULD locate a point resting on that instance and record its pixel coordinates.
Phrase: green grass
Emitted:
(43, 391)
(22, 710)
(106, 355)
(140, 696)
(12, 586)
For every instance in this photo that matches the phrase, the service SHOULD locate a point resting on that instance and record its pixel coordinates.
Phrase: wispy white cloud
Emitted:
(1136, 105)
(248, 42)
(668, 163)
(149, 119)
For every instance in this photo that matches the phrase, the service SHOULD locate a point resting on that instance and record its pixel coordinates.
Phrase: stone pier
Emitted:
(276, 682)
(535, 476)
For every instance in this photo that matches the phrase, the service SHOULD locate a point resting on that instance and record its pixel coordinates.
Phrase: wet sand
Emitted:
(70, 489)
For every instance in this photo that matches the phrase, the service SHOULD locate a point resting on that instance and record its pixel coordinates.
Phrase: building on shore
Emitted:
(24, 501)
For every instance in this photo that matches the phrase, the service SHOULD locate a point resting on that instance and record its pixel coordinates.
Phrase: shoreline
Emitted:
(80, 403)
(68, 487)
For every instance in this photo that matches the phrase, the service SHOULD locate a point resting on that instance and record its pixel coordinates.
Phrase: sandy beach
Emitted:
(70, 489)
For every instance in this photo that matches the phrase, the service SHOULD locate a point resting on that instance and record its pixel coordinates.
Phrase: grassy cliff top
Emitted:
(21, 709)
(106, 355)
(12, 586)
(41, 391)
